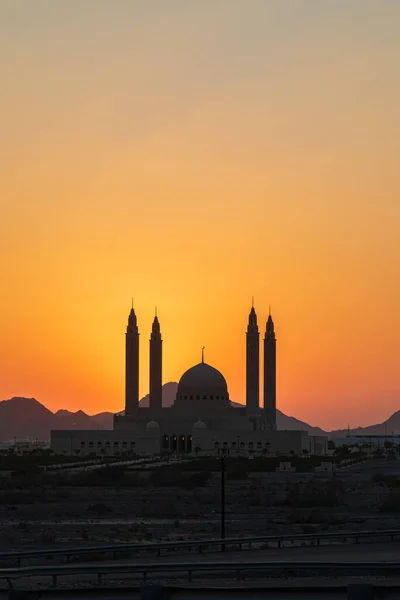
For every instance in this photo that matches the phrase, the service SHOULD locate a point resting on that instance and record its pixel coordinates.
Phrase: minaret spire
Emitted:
(155, 367)
(252, 362)
(132, 365)
(202, 353)
(270, 373)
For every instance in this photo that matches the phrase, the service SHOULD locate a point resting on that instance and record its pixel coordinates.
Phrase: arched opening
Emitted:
(189, 443)
(165, 442)
(174, 443)
(182, 444)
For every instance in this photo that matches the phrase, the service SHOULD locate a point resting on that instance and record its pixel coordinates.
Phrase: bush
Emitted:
(201, 478)
(99, 509)
(170, 477)
(312, 495)
(390, 503)
(386, 479)
(237, 474)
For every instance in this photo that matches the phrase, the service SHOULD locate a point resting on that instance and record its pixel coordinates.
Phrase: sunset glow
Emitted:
(193, 155)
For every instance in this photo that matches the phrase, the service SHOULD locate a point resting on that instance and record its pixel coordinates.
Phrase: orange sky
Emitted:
(193, 154)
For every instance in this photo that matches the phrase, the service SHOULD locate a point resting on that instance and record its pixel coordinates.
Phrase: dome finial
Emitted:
(202, 353)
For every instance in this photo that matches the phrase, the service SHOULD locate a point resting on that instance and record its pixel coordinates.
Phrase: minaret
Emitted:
(270, 374)
(155, 367)
(132, 366)
(252, 363)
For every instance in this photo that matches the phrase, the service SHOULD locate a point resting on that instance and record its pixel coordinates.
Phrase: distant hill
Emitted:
(168, 395)
(24, 417)
(285, 422)
(28, 418)
(388, 427)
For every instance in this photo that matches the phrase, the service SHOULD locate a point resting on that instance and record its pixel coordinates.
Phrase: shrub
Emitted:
(170, 477)
(390, 503)
(314, 495)
(99, 509)
(386, 479)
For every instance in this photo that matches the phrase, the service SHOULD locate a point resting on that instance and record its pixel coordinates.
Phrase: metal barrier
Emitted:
(236, 570)
(200, 545)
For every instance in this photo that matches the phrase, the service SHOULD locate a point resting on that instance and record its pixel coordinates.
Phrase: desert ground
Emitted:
(182, 502)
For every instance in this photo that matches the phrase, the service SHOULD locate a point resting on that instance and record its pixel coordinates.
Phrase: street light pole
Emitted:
(223, 497)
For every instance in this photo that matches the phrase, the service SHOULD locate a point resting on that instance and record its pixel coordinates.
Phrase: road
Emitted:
(376, 551)
(353, 553)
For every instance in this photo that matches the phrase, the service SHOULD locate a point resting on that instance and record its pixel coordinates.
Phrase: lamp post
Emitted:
(222, 452)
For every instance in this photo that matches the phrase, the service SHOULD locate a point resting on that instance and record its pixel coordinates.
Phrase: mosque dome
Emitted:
(152, 425)
(199, 425)
(202, 384)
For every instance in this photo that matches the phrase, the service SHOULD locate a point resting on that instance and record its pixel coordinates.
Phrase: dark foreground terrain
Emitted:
(182, 501)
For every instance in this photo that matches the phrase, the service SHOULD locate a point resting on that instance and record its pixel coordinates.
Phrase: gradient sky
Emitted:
(193, 153)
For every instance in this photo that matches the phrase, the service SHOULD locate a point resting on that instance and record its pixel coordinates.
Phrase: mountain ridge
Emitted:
(27, 418)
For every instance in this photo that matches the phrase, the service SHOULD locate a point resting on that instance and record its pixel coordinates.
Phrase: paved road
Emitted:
(368, 552)
(379, 551)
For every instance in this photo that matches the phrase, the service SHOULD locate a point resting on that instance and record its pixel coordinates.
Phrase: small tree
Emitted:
(197, 450)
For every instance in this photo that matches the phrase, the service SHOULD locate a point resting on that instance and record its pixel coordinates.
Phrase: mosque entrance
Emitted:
(181, 444)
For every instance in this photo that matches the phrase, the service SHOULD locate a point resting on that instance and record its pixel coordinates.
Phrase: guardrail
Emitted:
(217, 568)
(200, 545)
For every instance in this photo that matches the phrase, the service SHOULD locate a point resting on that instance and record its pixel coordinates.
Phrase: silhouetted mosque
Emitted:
(202, 419)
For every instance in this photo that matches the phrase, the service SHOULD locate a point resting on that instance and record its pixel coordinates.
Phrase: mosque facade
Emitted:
(202, 420)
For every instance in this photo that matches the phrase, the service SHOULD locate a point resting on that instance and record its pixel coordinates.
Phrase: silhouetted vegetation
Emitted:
(99, 509)
(386, 480)
(315, 494)
(175, 478)
(390, 503)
